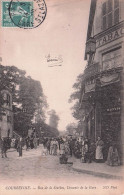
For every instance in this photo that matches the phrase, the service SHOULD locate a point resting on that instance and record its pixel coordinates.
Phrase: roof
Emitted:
(91, 19)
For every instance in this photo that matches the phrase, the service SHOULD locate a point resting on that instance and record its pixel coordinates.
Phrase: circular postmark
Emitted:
(27, 13)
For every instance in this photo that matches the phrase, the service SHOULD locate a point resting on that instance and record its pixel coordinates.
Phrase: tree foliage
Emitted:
(28, 96)
(43, 129)
(75, 97)
(71, 128)
(54, 119)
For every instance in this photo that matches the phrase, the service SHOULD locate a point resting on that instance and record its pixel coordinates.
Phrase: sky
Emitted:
(63, 32)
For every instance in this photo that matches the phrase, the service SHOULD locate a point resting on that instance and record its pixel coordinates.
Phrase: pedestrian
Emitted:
(77, 149)
(84, 150)
(31, 143)
(55, 147)
(51, 146)
(91, 153)
(113, 158)
(20, 146)
(48, 146)
(27, 140)
(99, 150)
(3, 147)
(16, 144)
(71, 145)
(35, 142)
(13, 142)
(38, 141)
(63, 155)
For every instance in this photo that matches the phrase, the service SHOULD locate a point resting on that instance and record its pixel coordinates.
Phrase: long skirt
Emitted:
(113, 157)
(99, 153)
(54, 149)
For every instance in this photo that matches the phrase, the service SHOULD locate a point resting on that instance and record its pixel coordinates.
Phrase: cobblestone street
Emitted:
(34, 165)
(39, 171)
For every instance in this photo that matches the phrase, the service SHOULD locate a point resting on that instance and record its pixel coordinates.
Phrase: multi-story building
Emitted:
(6, 114)
(102, 89)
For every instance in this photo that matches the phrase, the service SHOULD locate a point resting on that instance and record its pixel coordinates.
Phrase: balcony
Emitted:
(91, 70)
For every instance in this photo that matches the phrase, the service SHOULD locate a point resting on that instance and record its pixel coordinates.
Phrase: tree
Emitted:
(71, 128)
(75, 97)
(54, 119)
(43, 129)
(28, 97)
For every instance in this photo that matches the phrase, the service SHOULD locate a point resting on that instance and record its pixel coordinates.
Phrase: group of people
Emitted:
(17, 143)
(82, 148)
(88, 151)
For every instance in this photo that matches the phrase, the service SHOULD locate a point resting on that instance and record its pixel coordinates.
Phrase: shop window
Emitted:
(111, 59)
(110, 13)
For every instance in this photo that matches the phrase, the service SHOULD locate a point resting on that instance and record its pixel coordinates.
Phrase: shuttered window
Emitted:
(110, 13)
(116, 11)
(104, 13)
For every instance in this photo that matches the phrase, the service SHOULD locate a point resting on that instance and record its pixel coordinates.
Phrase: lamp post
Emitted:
(90, 49)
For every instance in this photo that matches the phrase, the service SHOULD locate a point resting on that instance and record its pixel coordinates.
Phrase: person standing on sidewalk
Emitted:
(35, 142)
(3, 147)
(27, 140)
(20, 146)
(113, 158)
(99, 150)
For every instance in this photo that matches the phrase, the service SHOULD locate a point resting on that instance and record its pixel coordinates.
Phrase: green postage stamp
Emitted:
(17, 13)
(23, 14)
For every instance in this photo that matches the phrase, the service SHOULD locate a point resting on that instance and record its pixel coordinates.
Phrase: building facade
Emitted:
(6, 114)
(102, 90)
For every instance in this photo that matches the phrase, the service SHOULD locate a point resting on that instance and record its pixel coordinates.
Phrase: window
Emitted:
(110, 13)
(111, 59)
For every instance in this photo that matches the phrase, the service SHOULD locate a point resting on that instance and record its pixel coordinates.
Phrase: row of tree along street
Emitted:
(29, 101)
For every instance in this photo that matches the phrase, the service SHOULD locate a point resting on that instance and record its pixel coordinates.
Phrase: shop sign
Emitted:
(113, 109)
(110, 37)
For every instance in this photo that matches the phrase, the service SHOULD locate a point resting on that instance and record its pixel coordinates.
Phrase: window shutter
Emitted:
(104, 9)
(104, 15)
(116, 16)
(104, 23)
(110, 19)
(116, 4)
(109, 6)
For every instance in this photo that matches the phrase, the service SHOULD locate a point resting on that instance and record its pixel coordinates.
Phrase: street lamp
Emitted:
(90, 49)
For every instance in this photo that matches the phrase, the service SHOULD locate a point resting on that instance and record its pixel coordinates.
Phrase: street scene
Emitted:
(35, 165)
(61, 94)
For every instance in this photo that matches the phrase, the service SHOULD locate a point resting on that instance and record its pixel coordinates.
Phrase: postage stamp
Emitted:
(6, 20)
(23, 14)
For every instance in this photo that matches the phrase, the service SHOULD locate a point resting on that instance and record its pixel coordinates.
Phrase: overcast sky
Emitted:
(63, 32)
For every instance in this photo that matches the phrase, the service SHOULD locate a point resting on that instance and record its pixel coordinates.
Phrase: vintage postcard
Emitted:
(61, 97)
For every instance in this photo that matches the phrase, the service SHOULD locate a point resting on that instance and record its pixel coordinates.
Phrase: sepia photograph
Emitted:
(61, 97)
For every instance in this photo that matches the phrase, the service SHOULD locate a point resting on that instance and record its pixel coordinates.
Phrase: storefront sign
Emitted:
(110, 37)
(113, 109)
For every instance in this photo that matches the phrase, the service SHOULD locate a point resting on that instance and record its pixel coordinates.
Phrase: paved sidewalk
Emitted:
(98, 169)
